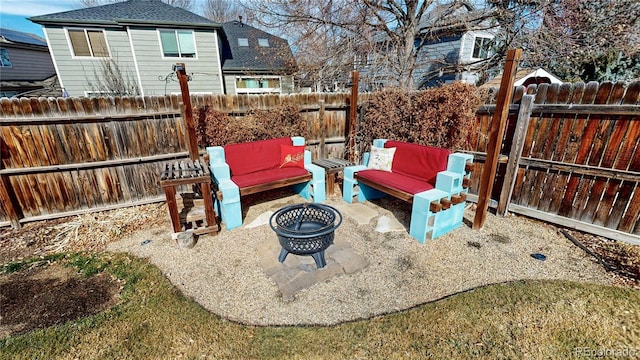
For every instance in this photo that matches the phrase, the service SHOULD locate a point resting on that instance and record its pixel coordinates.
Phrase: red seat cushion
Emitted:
(397, 181)
(418, 161)
(267, 176)
(249, 157)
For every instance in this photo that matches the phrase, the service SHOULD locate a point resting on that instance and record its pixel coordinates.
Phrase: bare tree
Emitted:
(574, 39)
(110, 78)
(223, 10)
(386, 37)
(189, 5)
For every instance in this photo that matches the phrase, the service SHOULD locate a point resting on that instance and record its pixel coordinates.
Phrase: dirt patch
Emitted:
(52, 294)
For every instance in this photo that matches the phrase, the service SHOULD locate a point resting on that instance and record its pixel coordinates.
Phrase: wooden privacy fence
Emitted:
(62, 157)
(570, 154)
(571, 157)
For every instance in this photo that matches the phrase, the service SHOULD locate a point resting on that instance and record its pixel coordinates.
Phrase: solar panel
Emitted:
(20, 37)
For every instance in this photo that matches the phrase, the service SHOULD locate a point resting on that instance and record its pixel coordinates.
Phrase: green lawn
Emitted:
(524, 319)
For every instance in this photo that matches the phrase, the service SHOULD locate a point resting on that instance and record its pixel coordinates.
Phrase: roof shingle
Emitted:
(129, 12)
(276, 57)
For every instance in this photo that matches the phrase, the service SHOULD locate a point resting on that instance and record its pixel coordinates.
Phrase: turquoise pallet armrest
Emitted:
(458, 161)
(449, 181)
(218, 164)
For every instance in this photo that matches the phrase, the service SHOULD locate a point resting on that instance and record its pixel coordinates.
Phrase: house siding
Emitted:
(432, 58)
(153, 68)
(27, 64)
(82, 75)
(230, 84)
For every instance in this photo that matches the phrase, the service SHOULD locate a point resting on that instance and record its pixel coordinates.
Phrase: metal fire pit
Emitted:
(305, 229)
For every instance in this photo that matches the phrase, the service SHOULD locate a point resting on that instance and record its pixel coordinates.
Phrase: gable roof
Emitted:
(21, 37)
(131, 12)
(538, 76)
(277, 57)
(452, 17)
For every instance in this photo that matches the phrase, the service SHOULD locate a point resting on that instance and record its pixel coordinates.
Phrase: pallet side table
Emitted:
(332, 167)
(189, 172)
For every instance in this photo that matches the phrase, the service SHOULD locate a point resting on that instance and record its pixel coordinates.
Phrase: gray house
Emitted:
(26, 68)
(456, 43)
(130, 48)
(255, 62)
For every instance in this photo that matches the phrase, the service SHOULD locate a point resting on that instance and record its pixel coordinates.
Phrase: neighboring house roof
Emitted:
(451, 17)
(37, 88)
(276, 57)
(131, 12)
(526, 77)
(13, 36)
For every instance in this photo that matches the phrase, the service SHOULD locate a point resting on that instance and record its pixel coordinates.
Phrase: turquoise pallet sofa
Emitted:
(434, 180)
(246, 168)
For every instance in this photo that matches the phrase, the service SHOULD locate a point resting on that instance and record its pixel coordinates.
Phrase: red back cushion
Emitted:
(419, 161)
(245, 158)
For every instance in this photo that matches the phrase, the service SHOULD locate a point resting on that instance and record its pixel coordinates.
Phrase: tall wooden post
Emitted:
(192, 139)
(496, 133)
(323, 131)
(353, 115)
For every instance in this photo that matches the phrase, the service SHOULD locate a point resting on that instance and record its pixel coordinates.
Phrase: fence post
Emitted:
(522, 124)
(323, 131)
(353, 115)
(194, 153)
(496, 133)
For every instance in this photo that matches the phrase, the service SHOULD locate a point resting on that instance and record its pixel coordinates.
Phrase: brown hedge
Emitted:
(442, 117)
(215, 128)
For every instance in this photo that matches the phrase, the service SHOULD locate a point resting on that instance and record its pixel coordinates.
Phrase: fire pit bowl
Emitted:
(305, 229)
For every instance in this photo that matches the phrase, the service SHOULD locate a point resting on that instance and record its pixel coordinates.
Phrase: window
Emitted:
(88, 43)
(263, 42)
(4, 58)
(243, 42)
(178, 43)
(257, 85)
(481, 47)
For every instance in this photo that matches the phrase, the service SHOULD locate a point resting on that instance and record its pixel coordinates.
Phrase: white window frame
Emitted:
(8, 58)
(263, 42)
(73, 53)
(245, 42)
(486, 42)
(175, 31)
(277, 90)
(92, 94)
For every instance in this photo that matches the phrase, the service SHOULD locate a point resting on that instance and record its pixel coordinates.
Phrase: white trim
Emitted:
(193, 37)
(222, 87)
(53, 57)
(87, 92)
(473, 46)
(73, 53)
(135, 62)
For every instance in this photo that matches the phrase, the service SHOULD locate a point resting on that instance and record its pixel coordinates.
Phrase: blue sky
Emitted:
(14, 13)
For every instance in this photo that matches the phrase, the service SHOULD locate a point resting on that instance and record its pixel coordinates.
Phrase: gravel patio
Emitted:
(235, 274)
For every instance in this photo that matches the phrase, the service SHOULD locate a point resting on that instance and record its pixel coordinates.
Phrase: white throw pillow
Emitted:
(381, 158)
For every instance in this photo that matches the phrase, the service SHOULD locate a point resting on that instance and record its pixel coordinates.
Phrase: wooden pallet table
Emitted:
(332, 167)
(189, 172)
